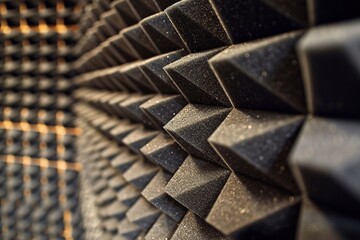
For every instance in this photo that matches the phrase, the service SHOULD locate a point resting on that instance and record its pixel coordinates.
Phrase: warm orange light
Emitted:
(42, 128)
(41, 162)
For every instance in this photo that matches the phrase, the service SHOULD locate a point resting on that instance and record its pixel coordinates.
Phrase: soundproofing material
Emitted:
(223, 119)
(39, 197)
(199, 119)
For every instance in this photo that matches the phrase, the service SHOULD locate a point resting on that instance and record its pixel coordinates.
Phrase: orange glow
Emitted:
(42, 128)
(41, 162)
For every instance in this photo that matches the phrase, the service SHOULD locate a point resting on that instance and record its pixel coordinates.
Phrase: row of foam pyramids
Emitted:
(182, 24)
(36, 17)
(37, 51)
(30, 4)
(23, 187)
(129, 195)
(40, 100)
(36, 116)
(42, 66)
(258, 140)
(36, 137)
(263, 75)
(49, 37)
(35, 84)
(110, 17)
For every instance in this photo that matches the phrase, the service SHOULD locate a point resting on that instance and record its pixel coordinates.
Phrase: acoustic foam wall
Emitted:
(39, 196)
(213, 119)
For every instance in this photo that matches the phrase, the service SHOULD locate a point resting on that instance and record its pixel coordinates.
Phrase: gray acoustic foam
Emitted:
(214, 119)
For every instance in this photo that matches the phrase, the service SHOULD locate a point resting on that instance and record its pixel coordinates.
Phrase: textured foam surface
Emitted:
(214, 119)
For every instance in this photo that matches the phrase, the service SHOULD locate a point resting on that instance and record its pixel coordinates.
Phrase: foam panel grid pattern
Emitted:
(214, 119)
(39, 178)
